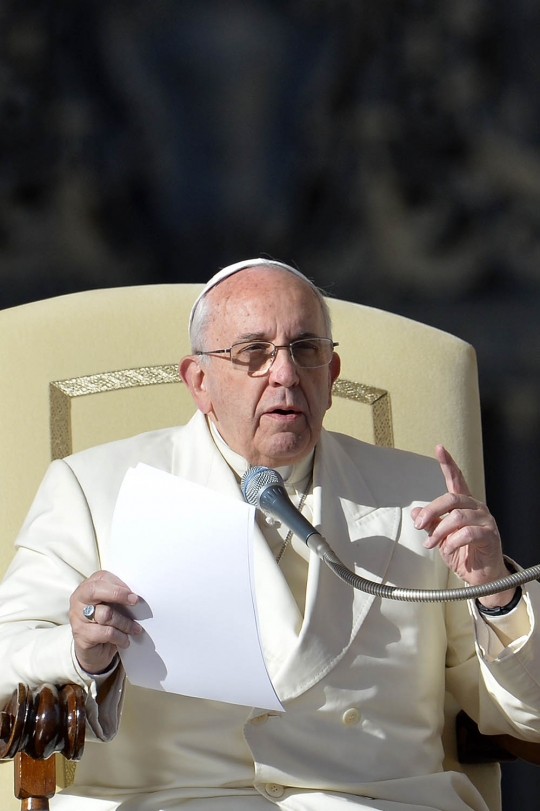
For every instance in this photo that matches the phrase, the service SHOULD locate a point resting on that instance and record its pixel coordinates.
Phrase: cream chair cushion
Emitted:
(90, 367)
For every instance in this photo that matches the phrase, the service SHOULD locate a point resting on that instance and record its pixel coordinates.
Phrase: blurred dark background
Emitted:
(389, 149)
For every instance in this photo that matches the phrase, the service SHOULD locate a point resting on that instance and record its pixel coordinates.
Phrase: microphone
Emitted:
(263, 487)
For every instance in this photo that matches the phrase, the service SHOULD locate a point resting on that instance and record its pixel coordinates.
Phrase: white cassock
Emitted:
(362, 680)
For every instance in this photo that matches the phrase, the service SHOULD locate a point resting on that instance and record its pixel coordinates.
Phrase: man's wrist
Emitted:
(102, 674)
(501, 610)
(508, 604)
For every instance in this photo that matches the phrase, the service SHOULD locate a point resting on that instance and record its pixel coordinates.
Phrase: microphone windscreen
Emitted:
(255, 480)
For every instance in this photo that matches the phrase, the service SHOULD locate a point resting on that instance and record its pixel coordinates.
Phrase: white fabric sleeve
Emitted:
(57, 547)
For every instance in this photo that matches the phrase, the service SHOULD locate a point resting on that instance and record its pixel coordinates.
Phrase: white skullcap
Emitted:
(232, 269)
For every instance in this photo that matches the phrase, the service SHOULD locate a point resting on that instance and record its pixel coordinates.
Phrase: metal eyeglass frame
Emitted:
(273, 355)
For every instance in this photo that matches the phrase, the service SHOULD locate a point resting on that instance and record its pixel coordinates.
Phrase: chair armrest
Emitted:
(474, 747)
(33, 726)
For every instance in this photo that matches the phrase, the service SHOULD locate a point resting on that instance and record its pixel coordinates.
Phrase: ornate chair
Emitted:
(90, 367)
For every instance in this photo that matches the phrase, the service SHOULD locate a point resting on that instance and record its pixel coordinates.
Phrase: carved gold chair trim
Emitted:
(62, 392)
(378, 399)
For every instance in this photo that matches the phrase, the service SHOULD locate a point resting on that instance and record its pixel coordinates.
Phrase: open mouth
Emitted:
(284, 412)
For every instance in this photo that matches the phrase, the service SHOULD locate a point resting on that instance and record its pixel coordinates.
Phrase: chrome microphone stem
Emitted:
(264, 488)
(320, 546)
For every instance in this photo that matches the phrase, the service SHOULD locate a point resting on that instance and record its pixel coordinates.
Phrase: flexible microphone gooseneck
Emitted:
(264, 488)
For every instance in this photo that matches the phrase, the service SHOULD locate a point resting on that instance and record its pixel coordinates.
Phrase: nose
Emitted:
(283, 371)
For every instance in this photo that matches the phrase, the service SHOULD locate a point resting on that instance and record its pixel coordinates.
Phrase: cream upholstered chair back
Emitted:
(90, 367)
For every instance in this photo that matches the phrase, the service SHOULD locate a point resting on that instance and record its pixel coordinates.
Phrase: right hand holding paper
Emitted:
(187, 552)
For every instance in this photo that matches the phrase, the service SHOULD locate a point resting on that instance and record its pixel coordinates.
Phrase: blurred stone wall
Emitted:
(390, 149)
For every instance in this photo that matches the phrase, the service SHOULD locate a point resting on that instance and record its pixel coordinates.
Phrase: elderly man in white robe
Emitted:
(361, 680)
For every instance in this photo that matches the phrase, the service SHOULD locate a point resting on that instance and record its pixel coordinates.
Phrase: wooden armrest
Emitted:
(474, 747)
(33, 726)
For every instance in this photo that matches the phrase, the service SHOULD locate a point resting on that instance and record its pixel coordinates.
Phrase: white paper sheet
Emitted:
(187, 552)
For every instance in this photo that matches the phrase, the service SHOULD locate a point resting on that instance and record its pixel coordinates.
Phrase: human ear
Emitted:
(194, 376)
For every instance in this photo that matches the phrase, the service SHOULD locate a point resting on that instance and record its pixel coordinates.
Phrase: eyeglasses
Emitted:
(256, 357)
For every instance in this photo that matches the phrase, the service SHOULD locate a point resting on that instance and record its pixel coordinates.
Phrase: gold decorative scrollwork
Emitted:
(62, 392)
(378, 399)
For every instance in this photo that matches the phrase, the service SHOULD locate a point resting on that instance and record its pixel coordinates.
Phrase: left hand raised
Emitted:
(464, 531)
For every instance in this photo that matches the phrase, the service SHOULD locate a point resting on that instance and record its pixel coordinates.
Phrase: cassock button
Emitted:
(257, 720)
(350, 717)
(274, 790)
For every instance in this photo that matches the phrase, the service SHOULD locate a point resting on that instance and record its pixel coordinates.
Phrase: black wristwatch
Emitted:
(501, 610)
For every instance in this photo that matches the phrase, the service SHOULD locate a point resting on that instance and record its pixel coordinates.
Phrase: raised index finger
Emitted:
(454, 478)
